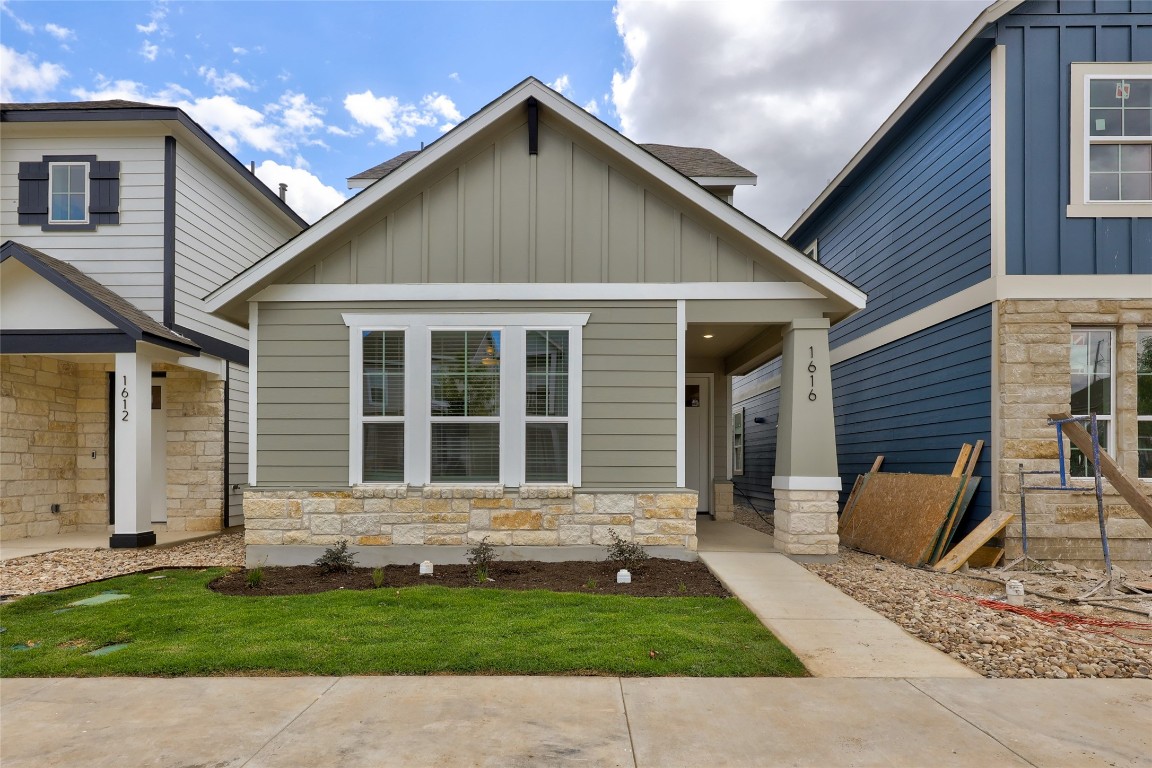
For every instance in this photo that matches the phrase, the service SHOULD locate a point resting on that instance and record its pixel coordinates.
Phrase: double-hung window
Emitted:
(1090, 356)
(1111, 140)
(468, 398)
(738, 441)
(1144, 402)
(68, 193)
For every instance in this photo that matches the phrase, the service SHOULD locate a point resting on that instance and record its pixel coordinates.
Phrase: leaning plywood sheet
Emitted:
(980, 535)
(900, 516)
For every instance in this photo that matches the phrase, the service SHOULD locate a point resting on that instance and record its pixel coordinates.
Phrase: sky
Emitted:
(315, 92)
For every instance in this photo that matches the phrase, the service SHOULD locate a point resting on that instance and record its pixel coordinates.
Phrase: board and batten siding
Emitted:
(566, 215)
(126, 257)
(915, 226)
(630, 395)
(221, 229)
(237, 441)
(1042, 40)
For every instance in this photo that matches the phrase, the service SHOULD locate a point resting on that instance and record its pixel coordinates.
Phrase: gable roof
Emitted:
(700, 162)
(105, 302)
(114, 110)
(265, 271)
(959, 55)
(377, 172)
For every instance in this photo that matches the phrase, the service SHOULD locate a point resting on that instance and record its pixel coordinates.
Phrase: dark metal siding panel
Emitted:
(916, 227)
(1041, 239)
(915, 401)
(755, 484)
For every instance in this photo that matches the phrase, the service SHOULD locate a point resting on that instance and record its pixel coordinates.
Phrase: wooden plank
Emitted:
(985, 557)
(962, 460)
(964, 498)
(850, 503)
(899, 516)
(1123, 484)
(991, 526)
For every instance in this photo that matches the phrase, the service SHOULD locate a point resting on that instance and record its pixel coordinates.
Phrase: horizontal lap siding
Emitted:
(237, 440)
(127, 257)
(755, 485)
(1041, 239)
(629, 389)
(916, 401)
(221, 229)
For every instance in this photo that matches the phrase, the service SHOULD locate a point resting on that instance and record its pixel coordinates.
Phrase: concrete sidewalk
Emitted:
(572, 721)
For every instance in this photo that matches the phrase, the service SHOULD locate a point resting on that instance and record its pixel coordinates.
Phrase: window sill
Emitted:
(1109, 210)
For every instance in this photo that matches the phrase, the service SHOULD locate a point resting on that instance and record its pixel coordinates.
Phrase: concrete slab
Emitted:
(699, 722)
(468, 721)
(833, 635)
(1057, 722)
(118, 722)
(38, 545)
(717, 536)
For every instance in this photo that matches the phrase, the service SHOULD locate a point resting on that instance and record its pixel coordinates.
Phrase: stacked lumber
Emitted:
(910, 518)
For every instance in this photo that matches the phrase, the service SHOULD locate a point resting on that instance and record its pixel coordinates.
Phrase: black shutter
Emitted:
(32, 208)
(104, 192)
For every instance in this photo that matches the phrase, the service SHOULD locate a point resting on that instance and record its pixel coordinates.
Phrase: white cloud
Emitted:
(393, 120)
(60, 33)
(562, 85)
(789, 90)
(233, 123)
(298, 115)
(22, 25)
(239, 51)
(24, 78)
(592, 107)
(229, 81)
(155, 23)
(307, 194)
(149, 50)
(454, 77)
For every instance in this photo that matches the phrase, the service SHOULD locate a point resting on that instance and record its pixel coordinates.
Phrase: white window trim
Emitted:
(737, 466)
(1110, 419)
(1079, 135)
(418, 329)
(813, 250)
(52, 166)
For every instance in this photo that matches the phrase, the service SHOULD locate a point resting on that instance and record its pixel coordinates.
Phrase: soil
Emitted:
(654, 578)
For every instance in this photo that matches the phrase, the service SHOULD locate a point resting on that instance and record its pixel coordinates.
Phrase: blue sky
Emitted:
(316, 92)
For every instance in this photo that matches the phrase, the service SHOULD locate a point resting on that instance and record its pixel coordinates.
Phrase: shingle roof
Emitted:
(112, 306)
(106, 104)
(386, 167)
(697, 161)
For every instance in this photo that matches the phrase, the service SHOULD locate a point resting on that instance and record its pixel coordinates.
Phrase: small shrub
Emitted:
(255, 576)
(377, 577)
(682, 587)
(590, 584)
(628, 553)
(480, 558)
(337, 558)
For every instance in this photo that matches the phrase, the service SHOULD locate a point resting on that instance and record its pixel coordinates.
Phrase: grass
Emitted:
(176, 626)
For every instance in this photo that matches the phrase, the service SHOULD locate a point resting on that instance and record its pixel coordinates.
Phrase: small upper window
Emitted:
(68, 185)
(813, 251)
(1111, 140)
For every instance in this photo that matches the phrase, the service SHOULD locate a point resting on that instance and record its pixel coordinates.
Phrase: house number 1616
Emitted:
(124, 397)
(812, 373)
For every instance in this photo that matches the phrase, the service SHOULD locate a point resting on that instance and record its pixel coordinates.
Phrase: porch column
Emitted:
(807, 482)
(132, 415)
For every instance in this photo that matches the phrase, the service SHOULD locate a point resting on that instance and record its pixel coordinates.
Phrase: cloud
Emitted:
(24, 78)
(233, 123)
(22, 25)
(239, 51)
(60, 33)
(454, 77)
(156, 22)
(229, 81)
(789, 90)
(562, 85)
(592, 107)
(149, 50)
(307, 194)
(393, 120)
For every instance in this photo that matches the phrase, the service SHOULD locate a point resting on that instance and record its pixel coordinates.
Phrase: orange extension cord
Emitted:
(1057, 619)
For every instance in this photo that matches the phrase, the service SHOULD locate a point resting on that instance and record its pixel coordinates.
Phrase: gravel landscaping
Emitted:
(937, 608)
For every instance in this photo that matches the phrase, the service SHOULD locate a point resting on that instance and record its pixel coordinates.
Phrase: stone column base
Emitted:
(722, 501)
(806, 522)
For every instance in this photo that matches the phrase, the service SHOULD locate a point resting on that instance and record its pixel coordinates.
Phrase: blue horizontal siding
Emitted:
(759, 449)
(915, 227)
(1042, 40)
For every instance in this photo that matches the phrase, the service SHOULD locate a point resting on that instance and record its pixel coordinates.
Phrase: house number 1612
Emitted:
(124, 397)
(812, 373)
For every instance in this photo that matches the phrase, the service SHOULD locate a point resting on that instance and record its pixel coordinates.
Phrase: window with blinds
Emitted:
(465, 406)
(546, 406)
(383, 406)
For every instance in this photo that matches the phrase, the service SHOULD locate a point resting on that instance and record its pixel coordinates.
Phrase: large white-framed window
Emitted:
(1144, 403)
(487, 398)
(68, 193)
(738, 441)
(1110, 139)
(1091, 357)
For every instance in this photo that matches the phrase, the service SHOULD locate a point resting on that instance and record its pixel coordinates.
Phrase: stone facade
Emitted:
(54, 447)
(722, 503)
(535, 516)
(806, 522)
(1035, 381)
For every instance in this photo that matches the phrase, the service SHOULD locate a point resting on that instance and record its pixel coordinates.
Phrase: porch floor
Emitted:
(38, 545)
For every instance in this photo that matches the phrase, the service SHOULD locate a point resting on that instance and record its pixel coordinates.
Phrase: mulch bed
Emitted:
(655, 578)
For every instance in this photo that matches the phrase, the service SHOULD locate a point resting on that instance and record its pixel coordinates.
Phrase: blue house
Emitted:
(1000, 222)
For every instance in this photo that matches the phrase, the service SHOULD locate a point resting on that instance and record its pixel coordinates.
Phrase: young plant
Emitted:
(628, 553)
(255, 576)
(480, 558)
(590, 584)
(377, 577)
(337, 558)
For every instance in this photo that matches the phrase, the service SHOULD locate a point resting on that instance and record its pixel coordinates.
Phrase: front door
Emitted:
(697, 438)
(159, 452)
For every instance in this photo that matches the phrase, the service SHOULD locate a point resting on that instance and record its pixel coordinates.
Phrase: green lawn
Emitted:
(176, 626)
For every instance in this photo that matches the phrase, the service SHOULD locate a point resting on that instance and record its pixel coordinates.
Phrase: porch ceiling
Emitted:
(726, 338)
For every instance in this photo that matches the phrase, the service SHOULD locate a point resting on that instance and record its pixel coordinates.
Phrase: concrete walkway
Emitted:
(38, 545)
(566, 721)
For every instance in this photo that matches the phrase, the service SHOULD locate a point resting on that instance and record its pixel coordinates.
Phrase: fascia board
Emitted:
(988, 16)
(725, 181)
